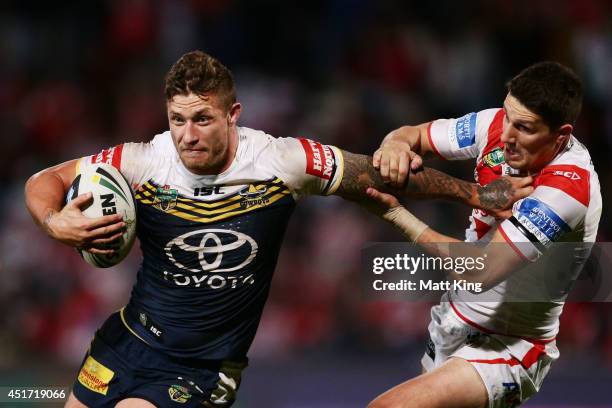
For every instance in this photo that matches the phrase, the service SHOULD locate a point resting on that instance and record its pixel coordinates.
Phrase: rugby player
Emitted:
(486, 351)
(213, 203)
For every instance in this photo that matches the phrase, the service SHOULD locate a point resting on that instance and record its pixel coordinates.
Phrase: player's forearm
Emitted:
(443, 246)
(359, 174)
(44, 196)
(406, 134)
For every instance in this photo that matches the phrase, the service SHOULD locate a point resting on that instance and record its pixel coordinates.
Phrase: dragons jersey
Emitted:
(210, 243)
(565, 206)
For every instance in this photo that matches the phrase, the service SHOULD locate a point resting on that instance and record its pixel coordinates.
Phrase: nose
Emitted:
(508, 135)
(190, 136)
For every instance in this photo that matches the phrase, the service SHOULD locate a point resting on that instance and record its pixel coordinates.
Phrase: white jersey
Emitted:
(564, 207)
(210, 243)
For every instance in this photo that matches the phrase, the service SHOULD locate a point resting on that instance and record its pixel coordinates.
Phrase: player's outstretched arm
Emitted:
(496, 198)
(44, 196)
(502, 259)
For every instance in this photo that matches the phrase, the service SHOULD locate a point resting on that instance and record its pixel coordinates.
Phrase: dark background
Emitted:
(76, 77)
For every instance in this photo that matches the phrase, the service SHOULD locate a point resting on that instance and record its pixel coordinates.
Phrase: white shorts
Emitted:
(511, 368)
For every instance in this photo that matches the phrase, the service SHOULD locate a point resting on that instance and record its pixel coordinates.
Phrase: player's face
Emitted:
(529, 143)
(202, 129)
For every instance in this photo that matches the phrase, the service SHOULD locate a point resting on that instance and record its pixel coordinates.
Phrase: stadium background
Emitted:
(76, 77)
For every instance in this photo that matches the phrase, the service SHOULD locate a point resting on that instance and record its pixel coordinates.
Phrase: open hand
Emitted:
(73, 228)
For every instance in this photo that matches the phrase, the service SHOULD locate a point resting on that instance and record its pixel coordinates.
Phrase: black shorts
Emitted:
(118, 365)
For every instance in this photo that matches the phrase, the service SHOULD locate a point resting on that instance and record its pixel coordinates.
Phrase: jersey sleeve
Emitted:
(306, 166)
(557, 206)
(135, 161)
(461, 138)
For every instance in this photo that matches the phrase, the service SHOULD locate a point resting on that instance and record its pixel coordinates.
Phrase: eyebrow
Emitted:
(519, 121)
(197, 113)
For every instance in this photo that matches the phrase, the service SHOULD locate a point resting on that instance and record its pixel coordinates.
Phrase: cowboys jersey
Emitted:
(564, 206)
(210, 243)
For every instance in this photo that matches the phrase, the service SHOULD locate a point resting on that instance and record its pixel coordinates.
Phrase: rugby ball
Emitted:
(111, 195)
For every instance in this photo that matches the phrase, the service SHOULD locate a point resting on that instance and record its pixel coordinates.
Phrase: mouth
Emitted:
(511, 153)
(194, 151)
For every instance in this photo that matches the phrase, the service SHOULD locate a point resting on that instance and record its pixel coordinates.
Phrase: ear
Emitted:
(563, 134)
(234, 114)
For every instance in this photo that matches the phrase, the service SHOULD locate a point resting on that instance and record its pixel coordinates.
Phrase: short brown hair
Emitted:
(199, 73)
(550, 90)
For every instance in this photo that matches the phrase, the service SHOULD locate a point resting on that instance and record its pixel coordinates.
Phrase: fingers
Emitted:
(373, 193)
(81, 201)
(393, 170)
(402, 171)
(104, 241)
(98, 251)
(376, 159)
(384, 168)
(524, 192)
(95, 223)
(106, 231)
(416, 161)
(387, 199)
(526, 181)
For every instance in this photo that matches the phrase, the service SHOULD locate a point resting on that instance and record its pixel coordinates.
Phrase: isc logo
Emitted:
(206, 191)
(108, 204)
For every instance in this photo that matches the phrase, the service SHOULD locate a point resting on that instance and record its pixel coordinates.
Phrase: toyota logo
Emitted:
(212, 246)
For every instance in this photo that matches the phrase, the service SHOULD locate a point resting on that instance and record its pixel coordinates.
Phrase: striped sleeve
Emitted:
(461, 138)
(557, 206)
(135, 161)
(306, 166)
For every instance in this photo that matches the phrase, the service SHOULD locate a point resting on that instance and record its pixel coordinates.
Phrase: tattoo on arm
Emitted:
(496, 195)
(359, 174)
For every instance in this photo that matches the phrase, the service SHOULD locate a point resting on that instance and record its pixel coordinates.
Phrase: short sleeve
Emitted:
(306, 166)
(557, 207)
(135, 161)
(461, 138)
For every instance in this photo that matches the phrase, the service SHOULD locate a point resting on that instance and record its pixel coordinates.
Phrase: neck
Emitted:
(232, 147)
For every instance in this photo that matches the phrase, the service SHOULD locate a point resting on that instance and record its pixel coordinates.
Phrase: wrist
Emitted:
(405, 221)
(47, 222)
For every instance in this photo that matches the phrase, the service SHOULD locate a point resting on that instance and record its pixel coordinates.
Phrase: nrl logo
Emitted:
(253, 196)
(494, 157)
(178, 393)
(165, 198)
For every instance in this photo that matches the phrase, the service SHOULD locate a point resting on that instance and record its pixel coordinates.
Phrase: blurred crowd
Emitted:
(81, 76)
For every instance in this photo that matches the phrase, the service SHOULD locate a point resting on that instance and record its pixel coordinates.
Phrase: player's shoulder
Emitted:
(571, 172)
(257, 144)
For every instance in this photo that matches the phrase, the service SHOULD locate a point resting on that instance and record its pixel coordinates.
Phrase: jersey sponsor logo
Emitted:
(572, 180)
(494, 158)
(465, 130)
(207, 191)
(211, 281)
(572, 175)
(319, 159)
(213, 250)
(252, 196)
(541, 220)
(165, 198)
(95, 376)
(110, 156)
(207, 255)
(179, 393)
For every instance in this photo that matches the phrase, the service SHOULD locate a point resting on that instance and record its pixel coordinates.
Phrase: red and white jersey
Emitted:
(564, 207)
